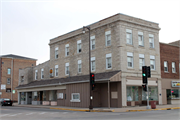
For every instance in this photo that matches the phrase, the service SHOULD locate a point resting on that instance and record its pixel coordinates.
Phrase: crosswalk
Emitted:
(35, 113)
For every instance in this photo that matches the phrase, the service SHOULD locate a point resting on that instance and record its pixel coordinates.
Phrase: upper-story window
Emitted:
(9, 71)
(67, 69)
(92, 42)
(67, 50)
(129, 36)
(173, 67)
(42, 73)
(140, 38)
(108, 61)
(93, 64)
(129, 60)
(8, 80)
(108, 38)
(151, 41)
(165, 66)
(79, 49)
(141, 61)
(152, 62)
(56, 70)
(36, 74)
(56, 52)
(79, 66)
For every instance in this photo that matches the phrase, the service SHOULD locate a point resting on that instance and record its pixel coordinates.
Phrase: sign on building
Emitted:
(60, 95)
(3, 87)
(175, 83)
(13, 91)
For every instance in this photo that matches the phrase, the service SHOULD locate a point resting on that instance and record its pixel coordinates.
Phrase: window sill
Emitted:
(131, 45)
(174, 72)
(108, 68)
(130, 68)
(141, 46)
(108, 46)
(166, 72)
(152, 48)
(75, 100)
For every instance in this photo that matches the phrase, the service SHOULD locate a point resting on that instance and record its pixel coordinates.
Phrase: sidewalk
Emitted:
(126, 109)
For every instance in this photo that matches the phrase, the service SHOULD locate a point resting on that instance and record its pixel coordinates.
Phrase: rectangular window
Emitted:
(141, 61)
(165, 66)
(67, 50)
(9, 81)
(129, 36)
(79, 66)
(36, 74)
(108, 61)
(93, 64)
(75, 97)
(9, 71)
(56, 52)
(92, 42)
(129, 60)
(153, 90)
(173, 67)
(56, 70)
(8, 89)
(79, 49)
(22, 78)
(140, 39)
(151, 41)
(152, 62)
(42, 73)
(67, 69)
(132, 93)
(108, 38)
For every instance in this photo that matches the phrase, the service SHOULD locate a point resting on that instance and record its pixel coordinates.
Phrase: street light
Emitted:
(91, 96)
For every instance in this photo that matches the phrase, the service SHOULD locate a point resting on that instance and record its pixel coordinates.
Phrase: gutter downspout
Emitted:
(12, 66)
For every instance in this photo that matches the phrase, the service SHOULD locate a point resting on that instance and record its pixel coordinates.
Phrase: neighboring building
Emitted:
(120, 46)
(170, 66)
(9, 74)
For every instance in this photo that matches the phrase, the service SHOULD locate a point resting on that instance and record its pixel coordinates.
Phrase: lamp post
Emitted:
(91, 96)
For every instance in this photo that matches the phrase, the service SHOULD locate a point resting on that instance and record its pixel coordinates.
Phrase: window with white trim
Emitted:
(151, 41)
(36, 74)
(129, 60)
(79, 49)
(79, 66)
(129, 36)
(56, 70)
(9, 71)
(56, 52)
(42, 73)
(165, 66)
(75, 97)
(152, 62)
(93, 64)
(141, 61)
(108, 61)
(67, 69)
(8, 80)
(173, 67)
(92, 42)
(67, 50)
(140, 38)
(108, 38)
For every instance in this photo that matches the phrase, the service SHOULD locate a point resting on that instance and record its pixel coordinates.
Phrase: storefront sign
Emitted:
(175, 83)
(60, 96)
(35, 93)
(3, 87)
(13, 91)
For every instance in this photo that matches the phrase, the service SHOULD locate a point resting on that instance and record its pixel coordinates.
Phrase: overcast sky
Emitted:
(28, 25)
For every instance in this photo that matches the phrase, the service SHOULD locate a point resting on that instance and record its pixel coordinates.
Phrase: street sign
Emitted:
(13, 91)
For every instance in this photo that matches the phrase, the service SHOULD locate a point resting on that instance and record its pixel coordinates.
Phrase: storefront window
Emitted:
(23, 96)
(173, 93)
(34, 96)
(44, 95)
(132, 93)
(53, 95)
(153, 93)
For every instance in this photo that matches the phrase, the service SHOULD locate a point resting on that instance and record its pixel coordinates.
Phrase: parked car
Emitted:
(6, 101)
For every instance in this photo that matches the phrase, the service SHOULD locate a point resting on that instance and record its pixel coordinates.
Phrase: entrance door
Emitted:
(140, 95)
(29, 98)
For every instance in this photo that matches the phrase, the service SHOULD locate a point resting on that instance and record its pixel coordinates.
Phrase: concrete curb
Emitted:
(82, 110)
(153, 109)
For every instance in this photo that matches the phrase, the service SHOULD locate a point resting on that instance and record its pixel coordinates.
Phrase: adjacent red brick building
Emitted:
(170, 65)
(9, 74)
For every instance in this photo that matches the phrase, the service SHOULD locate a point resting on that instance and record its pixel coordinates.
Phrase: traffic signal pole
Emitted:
(148, 107)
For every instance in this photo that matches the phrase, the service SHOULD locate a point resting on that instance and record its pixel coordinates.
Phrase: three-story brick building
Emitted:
(120, 46)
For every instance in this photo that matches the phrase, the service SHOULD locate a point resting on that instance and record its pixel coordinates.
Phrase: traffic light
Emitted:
(148, 71)
(92, 77)
(144, 74)
(144, 87)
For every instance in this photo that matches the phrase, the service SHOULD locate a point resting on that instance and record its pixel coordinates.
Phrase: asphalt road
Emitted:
(24, 113)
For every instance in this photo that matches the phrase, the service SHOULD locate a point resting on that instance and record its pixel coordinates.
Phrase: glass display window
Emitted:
(132, 93)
